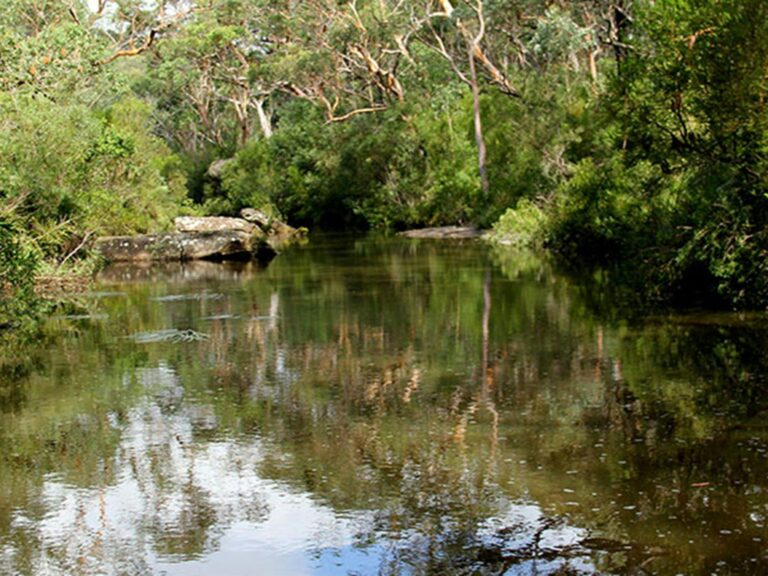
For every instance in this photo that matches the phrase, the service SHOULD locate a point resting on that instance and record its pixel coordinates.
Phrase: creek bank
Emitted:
(252, 236)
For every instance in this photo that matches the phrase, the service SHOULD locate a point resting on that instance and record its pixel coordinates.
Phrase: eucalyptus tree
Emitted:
(78, 157)
(346, 57)
(500, 45)
(209, 77)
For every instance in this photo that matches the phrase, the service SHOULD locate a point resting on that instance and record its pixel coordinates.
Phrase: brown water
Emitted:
(381, 407)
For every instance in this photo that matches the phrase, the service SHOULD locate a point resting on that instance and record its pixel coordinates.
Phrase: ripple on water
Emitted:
(168, 335)
(200, 296)
(82, 317)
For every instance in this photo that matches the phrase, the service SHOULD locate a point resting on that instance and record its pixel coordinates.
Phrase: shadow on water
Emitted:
(373, 406)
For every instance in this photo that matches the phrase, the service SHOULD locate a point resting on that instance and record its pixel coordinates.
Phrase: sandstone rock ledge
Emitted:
(205, 238)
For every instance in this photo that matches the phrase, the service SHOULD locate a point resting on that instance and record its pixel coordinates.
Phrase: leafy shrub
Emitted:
(524, 226)
(606, 208)
(69, 171)
(18, 264)
(246, 181)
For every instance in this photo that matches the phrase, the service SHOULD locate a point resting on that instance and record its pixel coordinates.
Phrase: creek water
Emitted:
(381, 407)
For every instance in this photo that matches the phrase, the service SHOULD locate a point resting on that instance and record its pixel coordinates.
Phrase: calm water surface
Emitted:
(381, 407)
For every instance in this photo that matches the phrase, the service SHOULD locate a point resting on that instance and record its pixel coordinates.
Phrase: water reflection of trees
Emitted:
(585, 404)
(438, 390)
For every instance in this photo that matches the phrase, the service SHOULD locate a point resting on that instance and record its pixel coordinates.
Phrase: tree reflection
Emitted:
(446, 411)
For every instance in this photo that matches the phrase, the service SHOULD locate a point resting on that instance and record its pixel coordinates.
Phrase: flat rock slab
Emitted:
(219, 245)
(444, 232)
(205, 238)
(214, 224)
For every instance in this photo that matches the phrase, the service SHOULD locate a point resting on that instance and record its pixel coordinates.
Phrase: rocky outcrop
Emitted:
(205, 238)
(257, 217)
(216, 224)
(279, 234)
(211, 245)
(216, 169)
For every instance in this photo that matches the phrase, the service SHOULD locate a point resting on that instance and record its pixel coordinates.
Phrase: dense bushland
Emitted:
(672, 177)
(629, 131)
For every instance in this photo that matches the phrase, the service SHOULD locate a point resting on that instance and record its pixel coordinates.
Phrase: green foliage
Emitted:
(452, 186)
(666, 170)
(57, 61)
(651, 151)
(71, 171)
(559, 37)
(18, 264)
(607, 208)
(524, 226)
(245, 182)
(373, 171)
(693, 103)
(134, 178)
(79, 155)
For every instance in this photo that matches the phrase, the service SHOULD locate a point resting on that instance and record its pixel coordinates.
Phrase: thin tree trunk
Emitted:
(241, 111)
(245, 132)
(481, 152)
(264, 121)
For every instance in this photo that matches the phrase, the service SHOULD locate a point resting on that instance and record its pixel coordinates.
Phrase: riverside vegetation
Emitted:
(604, 130)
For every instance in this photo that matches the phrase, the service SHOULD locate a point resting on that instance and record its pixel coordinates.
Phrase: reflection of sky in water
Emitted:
(169, 489)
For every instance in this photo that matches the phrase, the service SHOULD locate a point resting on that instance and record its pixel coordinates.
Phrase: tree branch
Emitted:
(153, 33)
(355, 112)
(132, 51)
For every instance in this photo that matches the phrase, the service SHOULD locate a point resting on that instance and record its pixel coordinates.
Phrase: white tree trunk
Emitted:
(264, 120)
(481, 151)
